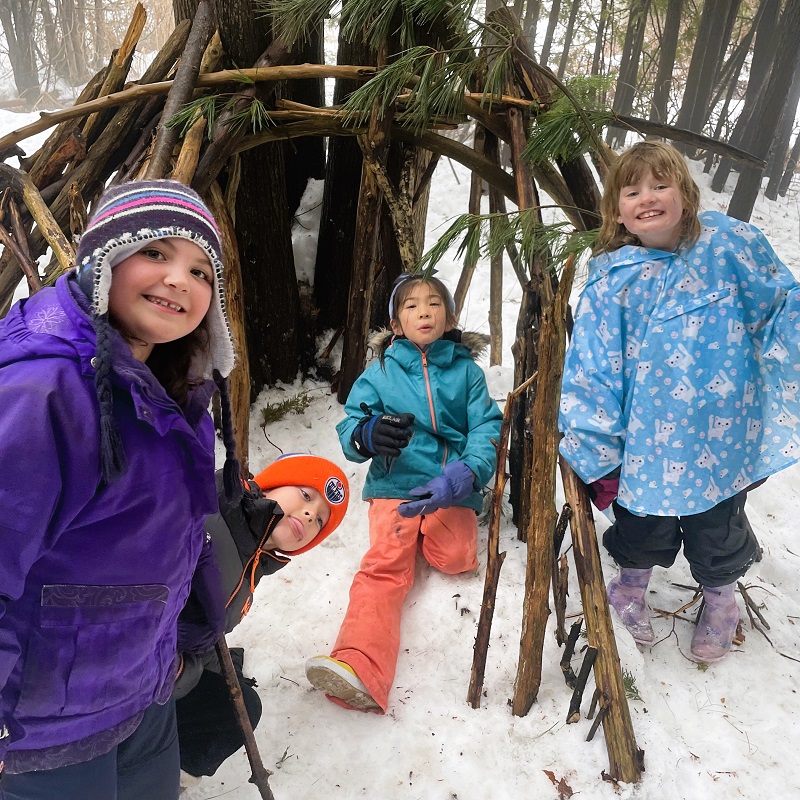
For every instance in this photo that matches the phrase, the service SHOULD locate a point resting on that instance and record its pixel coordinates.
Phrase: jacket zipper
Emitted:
(430, 400)
(253, 563)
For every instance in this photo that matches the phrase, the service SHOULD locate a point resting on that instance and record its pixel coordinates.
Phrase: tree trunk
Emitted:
(763, 54)
(16, 17)
(573, 13)
(791, 165)
(769, 110)
(780, 145)
(334, 265)
(600, 39)
(707, 56)
(184, 9)
(629, 67)
(551, 27)
(272, 303)
(305, 155)
(666, 61)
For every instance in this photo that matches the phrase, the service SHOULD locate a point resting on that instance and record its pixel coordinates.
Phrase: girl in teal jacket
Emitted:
(423, 415)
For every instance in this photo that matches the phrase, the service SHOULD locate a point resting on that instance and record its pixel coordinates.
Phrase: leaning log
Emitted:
(181, 92)
(495, 558)
(625, 758)
(234, 300)
(552, 343)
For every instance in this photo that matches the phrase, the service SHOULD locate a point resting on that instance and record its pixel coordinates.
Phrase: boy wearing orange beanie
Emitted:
(290, 507)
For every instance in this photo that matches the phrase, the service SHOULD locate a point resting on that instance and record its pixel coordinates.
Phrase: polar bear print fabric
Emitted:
(684, 370)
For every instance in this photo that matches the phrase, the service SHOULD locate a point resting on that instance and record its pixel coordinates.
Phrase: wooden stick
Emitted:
(625, 759)
(596, 695)
(181, 92)
(23, 186)
(574, 713)
(260, 776)
(495, 558)
(601, 715)
(398, 205)
(25, 263)
(566, 657)
(560, 574)
(234, 296)
(37, 163)
(749, 603)
(189, 155)
(47, 119)
(542, 521)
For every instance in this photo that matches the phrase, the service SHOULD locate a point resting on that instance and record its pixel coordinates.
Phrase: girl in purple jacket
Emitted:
(107, 454)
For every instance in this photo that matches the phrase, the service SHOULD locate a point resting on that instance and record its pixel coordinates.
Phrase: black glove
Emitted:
(383, 434)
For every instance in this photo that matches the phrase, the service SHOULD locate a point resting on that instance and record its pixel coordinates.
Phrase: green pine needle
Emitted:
(629, 682)
(274, 412)
(476, 235)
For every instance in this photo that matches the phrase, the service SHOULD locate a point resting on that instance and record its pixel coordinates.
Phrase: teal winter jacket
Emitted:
(455, 418)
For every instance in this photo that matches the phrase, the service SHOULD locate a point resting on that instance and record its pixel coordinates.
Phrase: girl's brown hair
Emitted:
(170, 362)
(664, 161)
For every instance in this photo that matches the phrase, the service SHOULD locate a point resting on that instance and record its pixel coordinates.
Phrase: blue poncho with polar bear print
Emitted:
(684, 370)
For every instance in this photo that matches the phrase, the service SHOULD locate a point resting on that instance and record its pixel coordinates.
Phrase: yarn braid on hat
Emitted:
(125, 219)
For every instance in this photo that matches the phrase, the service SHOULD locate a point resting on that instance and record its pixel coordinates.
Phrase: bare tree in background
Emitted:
(16, 17)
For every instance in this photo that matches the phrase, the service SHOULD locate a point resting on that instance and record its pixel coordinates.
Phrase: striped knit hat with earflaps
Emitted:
(125, 219)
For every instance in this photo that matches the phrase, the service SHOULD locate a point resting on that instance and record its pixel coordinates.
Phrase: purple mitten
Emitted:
(455, 484)
(603, 492)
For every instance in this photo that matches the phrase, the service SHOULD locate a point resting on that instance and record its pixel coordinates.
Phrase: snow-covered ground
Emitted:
(726, 731)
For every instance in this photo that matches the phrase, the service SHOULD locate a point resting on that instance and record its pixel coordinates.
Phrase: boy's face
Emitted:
(305, 514)
(160, 293)
(422, 316)
(652, 209)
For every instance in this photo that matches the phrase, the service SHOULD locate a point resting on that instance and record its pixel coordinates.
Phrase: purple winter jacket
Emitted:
(92, 577)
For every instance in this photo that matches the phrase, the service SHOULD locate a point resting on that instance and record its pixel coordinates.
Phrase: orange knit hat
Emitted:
(303, 469)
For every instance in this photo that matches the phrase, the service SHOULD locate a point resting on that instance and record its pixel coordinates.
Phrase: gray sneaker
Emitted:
(337, 679)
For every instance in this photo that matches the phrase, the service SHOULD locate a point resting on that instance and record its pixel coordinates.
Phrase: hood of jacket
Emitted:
(475, 343)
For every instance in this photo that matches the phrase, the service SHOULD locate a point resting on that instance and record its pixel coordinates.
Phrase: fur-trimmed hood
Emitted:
(475, 342)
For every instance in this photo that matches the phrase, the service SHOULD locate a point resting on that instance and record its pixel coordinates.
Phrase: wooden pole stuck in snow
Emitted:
(626, 760)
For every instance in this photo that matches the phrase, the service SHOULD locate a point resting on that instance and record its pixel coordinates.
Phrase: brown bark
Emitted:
(359, 307)
(260, 776)
(234, 302)
(275, 326)
(38, 161)
(227, 134)
(495, 558)
(181, 92)
(485, 147)
(552, 342)
(189, 155)
(625, 759)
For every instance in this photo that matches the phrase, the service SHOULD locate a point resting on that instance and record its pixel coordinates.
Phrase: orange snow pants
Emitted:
(369, 639)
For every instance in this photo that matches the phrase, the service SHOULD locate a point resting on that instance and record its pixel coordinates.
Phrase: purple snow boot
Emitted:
(626, 595)
(717, 625)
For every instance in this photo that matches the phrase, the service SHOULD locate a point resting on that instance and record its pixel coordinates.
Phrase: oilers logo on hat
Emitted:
(334, 491)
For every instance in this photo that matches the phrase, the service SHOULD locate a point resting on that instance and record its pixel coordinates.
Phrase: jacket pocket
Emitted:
(691, 304)
(94, 648)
